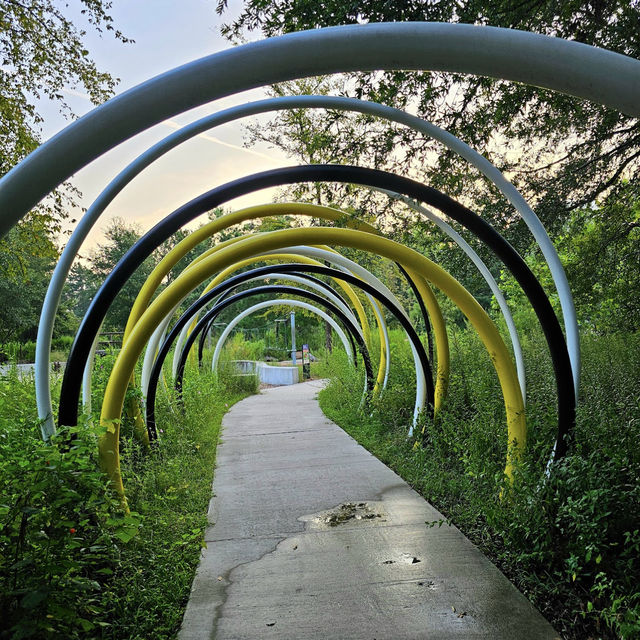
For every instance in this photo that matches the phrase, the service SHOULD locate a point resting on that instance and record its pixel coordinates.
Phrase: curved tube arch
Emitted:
(352, 327)
(423, 385)
(423, 287)
(323, 254)
(340, 173)
(73, 244)
(157, 336)
(303, 280)
(164, 350)
(271, 303)
(116, 387)
(587, 72)
(435, 397)
(219, 277)
(421, 361)
(302, 277)
(385, 347)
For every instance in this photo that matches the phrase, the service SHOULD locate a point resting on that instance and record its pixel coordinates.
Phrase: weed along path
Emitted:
(316, 538)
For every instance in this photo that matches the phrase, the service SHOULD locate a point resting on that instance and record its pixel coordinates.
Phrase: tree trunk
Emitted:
(327, 337)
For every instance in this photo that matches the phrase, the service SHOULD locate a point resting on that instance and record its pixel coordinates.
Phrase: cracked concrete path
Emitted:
(316, 538)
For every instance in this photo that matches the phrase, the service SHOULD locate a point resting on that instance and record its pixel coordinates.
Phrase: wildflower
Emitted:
(72, 530)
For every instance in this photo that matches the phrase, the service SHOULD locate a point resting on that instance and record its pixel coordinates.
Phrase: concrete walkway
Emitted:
(27, 369)
(316, 538)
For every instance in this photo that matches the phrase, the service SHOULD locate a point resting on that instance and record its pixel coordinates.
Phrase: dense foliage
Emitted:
(43, 55)
(72, 564)
(564, 153)
(570, 541)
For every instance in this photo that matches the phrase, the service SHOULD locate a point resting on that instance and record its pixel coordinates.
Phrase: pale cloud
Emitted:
(77, 94)
(172, 124)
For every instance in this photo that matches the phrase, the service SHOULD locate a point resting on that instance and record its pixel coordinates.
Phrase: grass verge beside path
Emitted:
(71, 564)
(570, 543)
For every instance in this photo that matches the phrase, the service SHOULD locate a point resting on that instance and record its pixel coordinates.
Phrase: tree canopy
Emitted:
(43, 56)
(562, 152)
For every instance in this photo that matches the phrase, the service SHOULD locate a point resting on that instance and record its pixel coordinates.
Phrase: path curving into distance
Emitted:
(273, 568)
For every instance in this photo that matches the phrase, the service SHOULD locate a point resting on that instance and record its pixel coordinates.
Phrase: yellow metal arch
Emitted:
(296, 209)
(488, 332)
(220, 224)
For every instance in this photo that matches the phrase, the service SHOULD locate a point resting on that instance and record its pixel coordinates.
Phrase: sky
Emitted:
(167, 34)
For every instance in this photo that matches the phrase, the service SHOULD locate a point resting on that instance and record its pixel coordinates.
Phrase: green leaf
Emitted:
(86, 625)
(34, 598)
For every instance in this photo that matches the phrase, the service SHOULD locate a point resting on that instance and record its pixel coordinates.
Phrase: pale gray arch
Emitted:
(272, 303)
(570, 67)
(344, 264)
(272, 276)
(584, 71)
(292, 303)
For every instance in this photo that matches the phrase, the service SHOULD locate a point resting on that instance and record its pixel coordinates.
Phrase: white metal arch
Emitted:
(279, 302)
(282, 276)
(566, 66)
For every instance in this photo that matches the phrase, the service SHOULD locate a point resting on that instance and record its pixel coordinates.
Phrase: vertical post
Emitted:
(306, 363)
(293, 338)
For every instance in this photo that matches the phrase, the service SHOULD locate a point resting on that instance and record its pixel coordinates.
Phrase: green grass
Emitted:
(571, 542)
(170, 489)
(72, 565)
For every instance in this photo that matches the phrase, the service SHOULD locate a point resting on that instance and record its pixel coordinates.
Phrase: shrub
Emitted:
(57, 536)
(570, 541)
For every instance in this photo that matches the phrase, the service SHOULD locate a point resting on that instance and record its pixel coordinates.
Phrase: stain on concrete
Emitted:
(403, 558)
(352, 513)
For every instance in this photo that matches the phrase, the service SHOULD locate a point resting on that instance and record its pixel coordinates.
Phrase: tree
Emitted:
(86, 279)
(569, 152)
(43, 54)
(23, 281)
(311, 136)
(601, 250)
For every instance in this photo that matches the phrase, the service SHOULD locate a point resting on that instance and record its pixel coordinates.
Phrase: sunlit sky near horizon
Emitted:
(167, 34)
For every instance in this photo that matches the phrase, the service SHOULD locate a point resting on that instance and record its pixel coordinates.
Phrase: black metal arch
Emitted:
(220, 306)
(294, 269)
(70, 391)
(188, 314)
(306, 276)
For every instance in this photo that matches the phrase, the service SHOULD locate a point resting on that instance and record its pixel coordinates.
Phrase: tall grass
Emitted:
(571, 541)
(72, 564)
